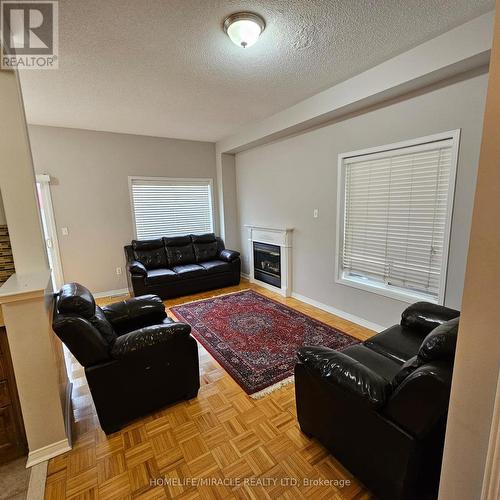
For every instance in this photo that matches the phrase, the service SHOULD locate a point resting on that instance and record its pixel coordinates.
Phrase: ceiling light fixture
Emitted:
(244, 28)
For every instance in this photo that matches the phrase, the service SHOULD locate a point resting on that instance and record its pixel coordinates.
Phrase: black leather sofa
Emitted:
(171, 267)
(380, 407)
(136, 358)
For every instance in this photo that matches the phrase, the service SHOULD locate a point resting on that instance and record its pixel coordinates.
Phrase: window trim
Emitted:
(387, 290)
(187, 180)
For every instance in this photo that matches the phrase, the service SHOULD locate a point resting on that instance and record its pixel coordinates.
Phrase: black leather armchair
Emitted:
(380, 407)
(136, 358)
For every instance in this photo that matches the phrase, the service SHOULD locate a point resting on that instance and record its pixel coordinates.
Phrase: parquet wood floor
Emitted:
(234, 446)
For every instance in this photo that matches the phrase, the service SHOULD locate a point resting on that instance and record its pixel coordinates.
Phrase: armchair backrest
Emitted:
(81, 325)
(425, 316)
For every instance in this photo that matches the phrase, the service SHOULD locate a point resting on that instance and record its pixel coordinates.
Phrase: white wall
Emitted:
(90, 191)
(17, 181)
(477, 361)
(26, 297)
(281, 183)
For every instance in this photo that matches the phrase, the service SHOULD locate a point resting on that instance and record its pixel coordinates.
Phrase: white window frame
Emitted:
(50, 227)
(379, 288)
(187, 180)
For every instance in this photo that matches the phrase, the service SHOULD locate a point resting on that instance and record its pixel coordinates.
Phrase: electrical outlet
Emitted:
(64, 231)
(119, 271)
(316, 213)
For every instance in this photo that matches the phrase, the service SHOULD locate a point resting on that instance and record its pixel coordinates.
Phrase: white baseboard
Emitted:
(38, 478)
(281, 291)
(111, 293)
(330, 309)
(47, 452)
(338, 312)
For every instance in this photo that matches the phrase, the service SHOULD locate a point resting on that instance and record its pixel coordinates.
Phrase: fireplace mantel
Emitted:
(268, 228)
(281, 237)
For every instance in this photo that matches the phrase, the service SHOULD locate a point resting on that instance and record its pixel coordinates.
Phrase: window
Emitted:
(395, 205)
(171, 207)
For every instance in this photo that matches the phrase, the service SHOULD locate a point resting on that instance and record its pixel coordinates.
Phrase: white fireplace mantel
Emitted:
(281, 237)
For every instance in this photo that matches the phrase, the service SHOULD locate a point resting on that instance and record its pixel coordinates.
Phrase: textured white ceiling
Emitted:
(165, 67)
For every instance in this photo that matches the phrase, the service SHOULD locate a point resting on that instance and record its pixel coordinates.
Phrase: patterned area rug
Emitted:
(256, 338)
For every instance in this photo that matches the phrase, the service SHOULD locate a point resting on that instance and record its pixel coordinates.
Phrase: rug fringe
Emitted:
(272, 388)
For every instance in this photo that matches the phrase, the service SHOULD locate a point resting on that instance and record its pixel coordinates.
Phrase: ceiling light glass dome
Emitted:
(244, 28)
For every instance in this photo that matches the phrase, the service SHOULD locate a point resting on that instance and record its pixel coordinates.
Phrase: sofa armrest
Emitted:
(135, 343)
(138, 309)
(352, 376)
(424, 316)
(137, 268)
(228, 255)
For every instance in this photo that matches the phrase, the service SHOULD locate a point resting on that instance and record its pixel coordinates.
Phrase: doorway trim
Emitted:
(50, 222)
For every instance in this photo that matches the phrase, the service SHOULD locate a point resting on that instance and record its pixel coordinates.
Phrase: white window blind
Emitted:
(166, 207)
(395, 220)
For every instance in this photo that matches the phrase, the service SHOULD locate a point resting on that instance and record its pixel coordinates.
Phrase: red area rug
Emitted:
(255, 338)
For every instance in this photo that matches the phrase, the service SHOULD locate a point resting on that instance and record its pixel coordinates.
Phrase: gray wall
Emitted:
(90, 191)
(281, 183)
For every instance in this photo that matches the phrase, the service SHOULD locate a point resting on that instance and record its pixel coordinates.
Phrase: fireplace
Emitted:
(270, 258)
(267, 263)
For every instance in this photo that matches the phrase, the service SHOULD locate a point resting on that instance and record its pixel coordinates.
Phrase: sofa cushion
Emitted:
(189, 270)
(76, 299)
(382, 365)
(179, 251)
(205, 247)
(150, 253)
(177, 241)
(203, 238)
(216, 266)
(441, 343)
(158, 276)
(397, 342)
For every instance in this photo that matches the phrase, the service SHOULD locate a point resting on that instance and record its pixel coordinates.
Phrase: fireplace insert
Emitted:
(267, 263)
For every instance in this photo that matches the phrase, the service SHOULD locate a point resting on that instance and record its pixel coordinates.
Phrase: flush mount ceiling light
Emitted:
(244, 28)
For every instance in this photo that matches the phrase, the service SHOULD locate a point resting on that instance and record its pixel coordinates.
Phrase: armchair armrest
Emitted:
(136, 342)
(136, 267)
(347, 373)
(135, 313)
(421, 400)
(424, 316)
(228, 255)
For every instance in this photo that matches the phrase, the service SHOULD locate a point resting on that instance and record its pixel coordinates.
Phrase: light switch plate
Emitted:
(316, 213)
(64, 231)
